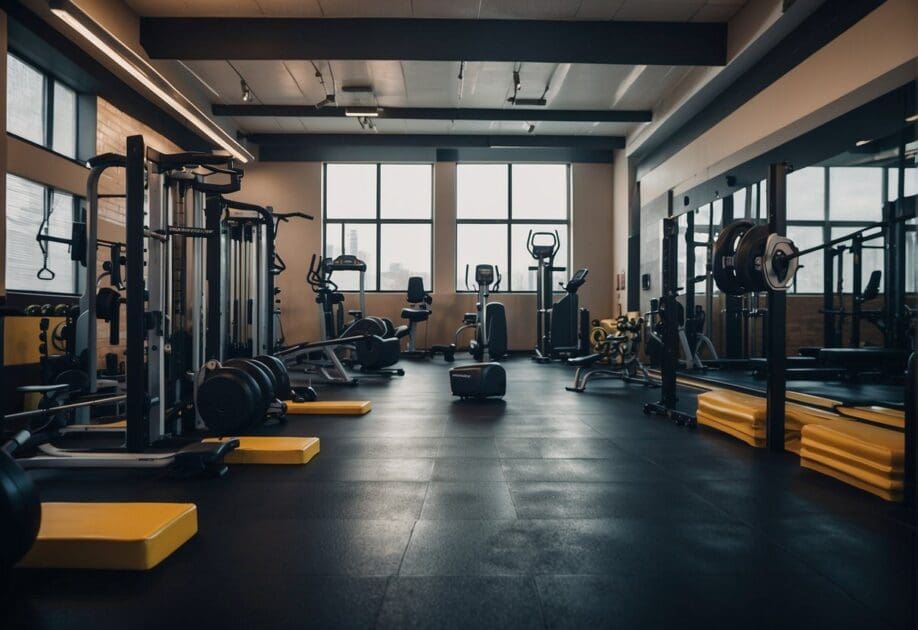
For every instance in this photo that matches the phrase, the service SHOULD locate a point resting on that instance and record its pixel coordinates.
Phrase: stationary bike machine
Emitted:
(562, 329)
(483, 380)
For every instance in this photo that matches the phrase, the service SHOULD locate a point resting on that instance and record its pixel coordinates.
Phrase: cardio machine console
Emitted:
(484, 275)
(347, 262)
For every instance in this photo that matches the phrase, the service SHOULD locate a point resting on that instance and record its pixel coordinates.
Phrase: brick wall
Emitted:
(804, 324)
(112, 129)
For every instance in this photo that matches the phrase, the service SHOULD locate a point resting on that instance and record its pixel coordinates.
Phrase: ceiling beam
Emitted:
(441, 113)
(449, 141)
(651, 43)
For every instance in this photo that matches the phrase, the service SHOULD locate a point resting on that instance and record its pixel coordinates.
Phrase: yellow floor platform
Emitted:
(116, 536)
(271, 450)
(329, 408)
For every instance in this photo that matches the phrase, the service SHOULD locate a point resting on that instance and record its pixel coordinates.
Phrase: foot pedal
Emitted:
(204, 458)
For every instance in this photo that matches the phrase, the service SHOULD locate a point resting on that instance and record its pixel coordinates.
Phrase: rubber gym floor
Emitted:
(552, 509)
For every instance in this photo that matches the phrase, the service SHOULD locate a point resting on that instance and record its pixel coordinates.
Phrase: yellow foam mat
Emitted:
(271, 450)
(853, 461)
(116, 536)
(881, 446)
(329, 408)
(810, 399)
(879, 415)
(752, 439)
(889, 493)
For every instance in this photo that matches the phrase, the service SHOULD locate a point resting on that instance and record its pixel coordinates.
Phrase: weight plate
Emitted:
(262, 379)
(229, 401)
(748, 259)
(20, 512)
(780, 262)
(281, 375)
(723, 267)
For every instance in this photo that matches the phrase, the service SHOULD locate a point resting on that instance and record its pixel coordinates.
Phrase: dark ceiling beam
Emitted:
(440, 113)
(451, 141)
(651, 43)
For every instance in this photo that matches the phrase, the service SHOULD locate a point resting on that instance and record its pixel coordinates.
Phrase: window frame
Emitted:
(378, 221)
(48, 82)
(21, 296)
(510, 221)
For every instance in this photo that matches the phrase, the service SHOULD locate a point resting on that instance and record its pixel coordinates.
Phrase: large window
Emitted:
(32, 209)
(497, 205)
(40, 109)
(381, 213)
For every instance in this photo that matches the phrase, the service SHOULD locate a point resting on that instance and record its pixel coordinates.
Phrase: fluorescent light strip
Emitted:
(361, 112)
(190, 112)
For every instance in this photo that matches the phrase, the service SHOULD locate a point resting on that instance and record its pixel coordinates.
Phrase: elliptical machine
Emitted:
(489, 379)
(562, 329)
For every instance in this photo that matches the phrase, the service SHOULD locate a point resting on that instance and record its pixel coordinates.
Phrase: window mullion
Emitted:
(378, 227)
(509, 227)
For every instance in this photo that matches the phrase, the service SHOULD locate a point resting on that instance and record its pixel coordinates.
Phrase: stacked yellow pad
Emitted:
(743, 417)
(734, 413)
(868, 457)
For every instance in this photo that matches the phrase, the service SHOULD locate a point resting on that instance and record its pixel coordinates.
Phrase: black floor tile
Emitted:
(461, 603)
(467, 500)
(467, 469)
(554, 500)
(721, 601)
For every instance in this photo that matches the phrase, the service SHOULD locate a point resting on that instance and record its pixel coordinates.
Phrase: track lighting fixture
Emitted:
(246, 91)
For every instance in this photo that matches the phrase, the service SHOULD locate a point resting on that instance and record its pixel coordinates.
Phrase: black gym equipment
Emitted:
(156, 189)
(562, 328)
(488, 379)
(418, 311)
(372, 350)
(670, 307)
(20, 506)
(617, 357)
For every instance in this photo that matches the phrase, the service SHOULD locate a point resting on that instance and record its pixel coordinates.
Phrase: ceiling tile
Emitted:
(529, 9)
(658, 11)
(599, 9)
(456, 9)
(363, 8)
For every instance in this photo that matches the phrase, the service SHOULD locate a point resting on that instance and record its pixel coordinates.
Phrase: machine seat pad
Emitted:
(415, 314)
(329, 408)
(585, 361)
(113, 536)
(862, 356)
(43, 389)
(272, 450)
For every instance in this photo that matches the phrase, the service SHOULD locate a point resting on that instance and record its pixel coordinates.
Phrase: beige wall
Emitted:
(874, 56)
(297, 186)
